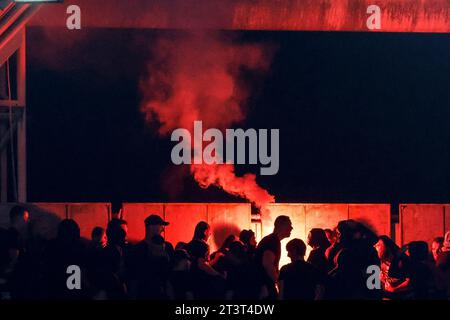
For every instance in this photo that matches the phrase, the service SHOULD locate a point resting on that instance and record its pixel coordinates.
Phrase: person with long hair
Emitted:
(394, 263)
(317, 240)
(207, 281)
(202, 233)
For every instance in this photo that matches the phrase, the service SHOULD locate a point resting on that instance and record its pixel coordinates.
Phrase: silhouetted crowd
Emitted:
(342, 264)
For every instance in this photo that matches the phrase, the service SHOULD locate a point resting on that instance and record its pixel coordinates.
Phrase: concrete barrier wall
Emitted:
(225, 218)
(304, 217)
(297, 214)
(135, 214)
(417, 221)
(89, 215)
(183, 218)
(375, 216)
(307, 216)
(447, 217)
(423, 221)
(45, 217)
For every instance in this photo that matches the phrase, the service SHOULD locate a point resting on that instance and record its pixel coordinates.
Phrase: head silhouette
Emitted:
(116, 231)
(227, 242)
(436, 247)
(331, 235)
(19, 217)
(317, 238)
(386, 248)
(68, 231)
(98, 236)
(248, 238)
(296, 249)
(154, 225)
(283, 227)
(202, 231)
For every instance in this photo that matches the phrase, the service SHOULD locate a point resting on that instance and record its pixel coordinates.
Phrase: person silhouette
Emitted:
(268, 254)
(300, 280)
(317, 240)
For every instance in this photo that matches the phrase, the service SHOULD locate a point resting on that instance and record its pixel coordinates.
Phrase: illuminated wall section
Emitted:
(224, 218)
(375, 216)
(307, 216)
(44, 217)
(447, 217)
(325, 216)
(183, 218)
(135, 214)
(227, 219)
(294, 211)
(423, 222)
(89, 215)
(417, 221)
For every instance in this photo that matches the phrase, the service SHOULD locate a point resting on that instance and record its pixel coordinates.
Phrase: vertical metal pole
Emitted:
(21, 128)
(3, 169)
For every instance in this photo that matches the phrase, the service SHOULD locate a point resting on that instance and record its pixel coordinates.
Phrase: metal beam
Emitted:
(13, 40)
(10, 103)
(8, 47)
(6, 135)
(22, 125)
(321, 15)
(12, 26)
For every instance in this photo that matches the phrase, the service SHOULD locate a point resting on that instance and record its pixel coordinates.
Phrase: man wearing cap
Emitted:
(154, 239)
(151, 263)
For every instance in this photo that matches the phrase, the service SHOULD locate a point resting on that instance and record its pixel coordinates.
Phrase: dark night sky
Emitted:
(362, 118)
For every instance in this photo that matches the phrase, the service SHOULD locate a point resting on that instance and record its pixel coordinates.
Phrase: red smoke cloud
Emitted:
(223, 176)
(197, 77)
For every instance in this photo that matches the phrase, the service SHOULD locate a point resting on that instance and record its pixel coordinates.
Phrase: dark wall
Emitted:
(362, 117)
